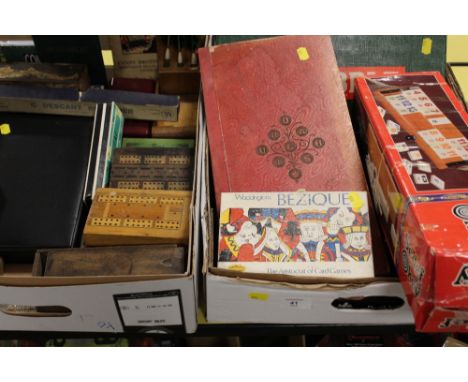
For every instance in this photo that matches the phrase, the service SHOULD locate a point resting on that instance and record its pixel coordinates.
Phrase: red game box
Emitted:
(417, 161)
(348, 75)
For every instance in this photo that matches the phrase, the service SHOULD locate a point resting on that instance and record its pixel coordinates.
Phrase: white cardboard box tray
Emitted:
(238, 299)
(100, 304)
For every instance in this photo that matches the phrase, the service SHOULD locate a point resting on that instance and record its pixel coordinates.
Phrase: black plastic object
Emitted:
(43, 163)
(370, 302)
(73, 50)
(36, 311)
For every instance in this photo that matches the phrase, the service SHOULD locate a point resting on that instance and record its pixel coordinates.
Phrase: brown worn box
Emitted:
(111, 261)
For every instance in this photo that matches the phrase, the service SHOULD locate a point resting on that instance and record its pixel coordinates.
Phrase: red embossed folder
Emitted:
(277, 117)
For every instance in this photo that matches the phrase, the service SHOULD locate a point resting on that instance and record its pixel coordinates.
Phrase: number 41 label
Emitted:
(299, 303)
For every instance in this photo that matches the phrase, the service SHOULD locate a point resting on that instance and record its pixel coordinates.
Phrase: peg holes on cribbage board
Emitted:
(112, 199)
(153, 185)
(129, 159)
(153, 156)
(167, 224)
(138, 223)
(181, 160)
(178, 185)
(171, 200)
(106, 222)
(123, 172)
(128, 185)
(143, 199)
(154, 159)
(135, 223)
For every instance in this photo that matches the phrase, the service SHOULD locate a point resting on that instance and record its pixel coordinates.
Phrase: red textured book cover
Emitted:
(277, 117)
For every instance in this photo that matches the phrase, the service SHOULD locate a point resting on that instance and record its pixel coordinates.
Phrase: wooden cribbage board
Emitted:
(151, 178)
(152, 168)
(150, 156)
(130, 217)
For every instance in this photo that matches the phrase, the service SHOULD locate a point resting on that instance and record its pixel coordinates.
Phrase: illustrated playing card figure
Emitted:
(238, 236)
(355, 242)
(273, 216)
(270, 247)
(312, 237)
(338, 218)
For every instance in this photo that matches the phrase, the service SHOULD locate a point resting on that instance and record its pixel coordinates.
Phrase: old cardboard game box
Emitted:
(323, 234)
(417, 162)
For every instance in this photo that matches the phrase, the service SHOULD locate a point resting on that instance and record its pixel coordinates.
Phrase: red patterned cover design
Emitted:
(277, 117)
